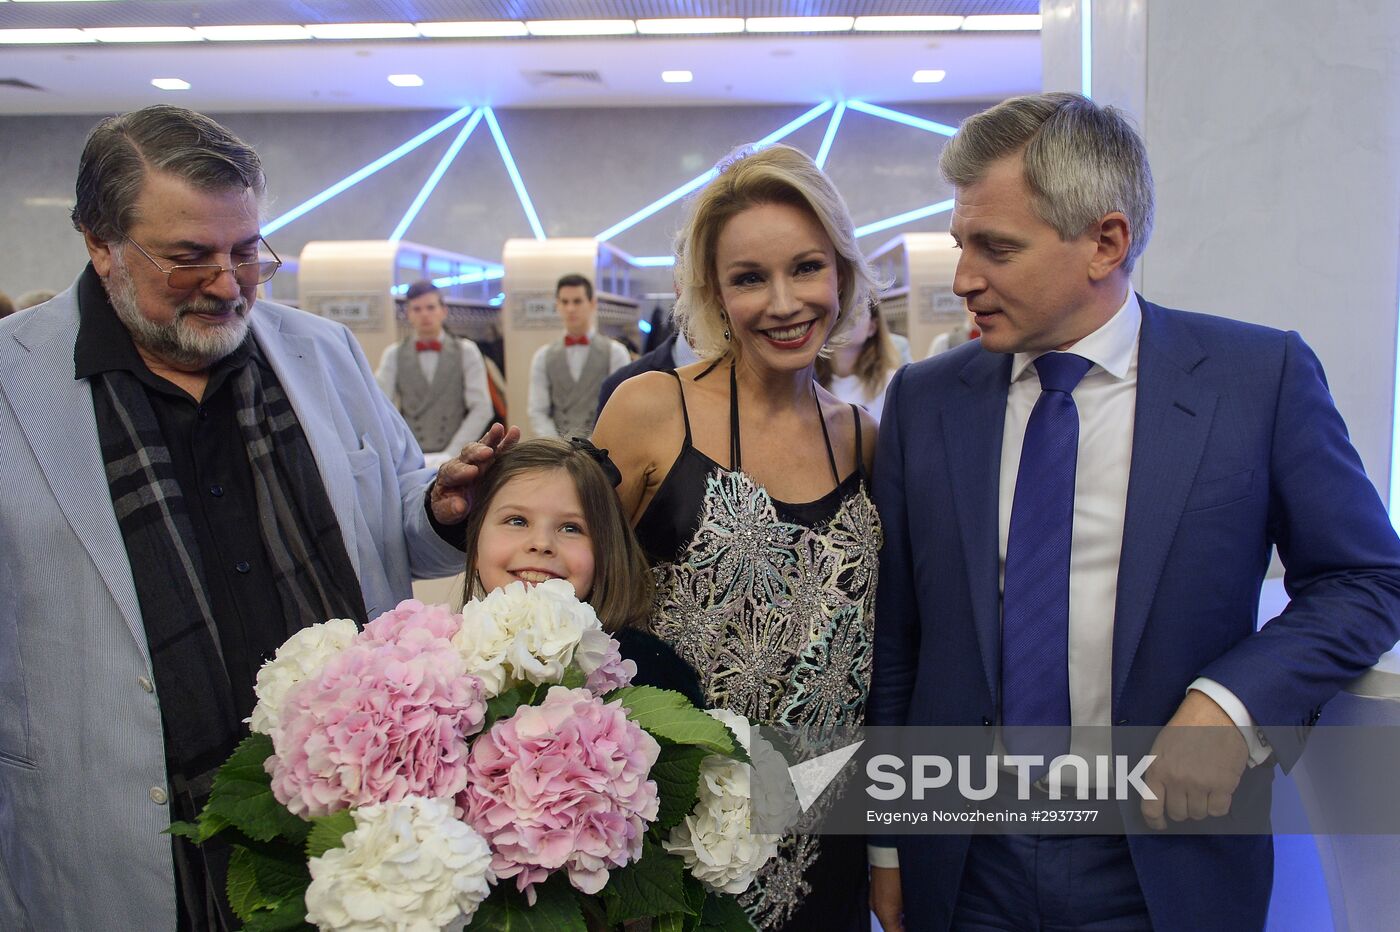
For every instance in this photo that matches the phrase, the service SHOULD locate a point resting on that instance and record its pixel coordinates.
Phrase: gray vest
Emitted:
(433, 410)
(573, 405)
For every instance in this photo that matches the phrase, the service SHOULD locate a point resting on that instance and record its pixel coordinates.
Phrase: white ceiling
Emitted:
(325, 75)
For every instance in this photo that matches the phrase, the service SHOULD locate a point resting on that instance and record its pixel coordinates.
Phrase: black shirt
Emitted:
(210, 462)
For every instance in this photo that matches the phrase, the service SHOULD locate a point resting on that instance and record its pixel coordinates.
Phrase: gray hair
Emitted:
(1081, 161)
(778, 174)
(121, 149)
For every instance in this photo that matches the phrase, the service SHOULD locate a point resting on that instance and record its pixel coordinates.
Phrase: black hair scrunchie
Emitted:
(600, 457)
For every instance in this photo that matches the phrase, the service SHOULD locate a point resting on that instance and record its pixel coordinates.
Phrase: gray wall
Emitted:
(585, 170)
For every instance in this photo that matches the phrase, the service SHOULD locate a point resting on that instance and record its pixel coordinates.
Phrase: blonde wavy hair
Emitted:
(746, 178)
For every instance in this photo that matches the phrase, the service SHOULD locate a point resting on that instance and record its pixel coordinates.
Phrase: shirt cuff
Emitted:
(1254, 738)
(882, 857)
(452, 534)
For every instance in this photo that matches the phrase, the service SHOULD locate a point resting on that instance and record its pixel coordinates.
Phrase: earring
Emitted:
(726, 326)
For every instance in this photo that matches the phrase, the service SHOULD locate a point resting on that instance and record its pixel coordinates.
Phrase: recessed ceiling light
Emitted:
(690, 26)
(171, 84)
(581, 27)
(145, 34)
(799, 23)
(271, 33)
(929, 75)
(43, 36)
(473, 30)
(677, 77)
(405, 80)
(362, 30)
(1007, 23)
(907, 23)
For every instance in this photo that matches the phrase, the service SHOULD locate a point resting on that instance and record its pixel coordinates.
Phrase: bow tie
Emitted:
(425, 346)
(576, 341)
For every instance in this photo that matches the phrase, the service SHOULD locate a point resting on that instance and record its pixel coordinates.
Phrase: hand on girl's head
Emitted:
(452, 496)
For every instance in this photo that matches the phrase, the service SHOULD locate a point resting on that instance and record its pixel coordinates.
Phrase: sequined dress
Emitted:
(773, 605)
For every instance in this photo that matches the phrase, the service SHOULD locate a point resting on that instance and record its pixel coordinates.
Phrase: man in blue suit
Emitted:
(1100, 481)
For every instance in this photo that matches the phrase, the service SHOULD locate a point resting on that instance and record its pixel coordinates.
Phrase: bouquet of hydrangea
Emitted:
(491, 769)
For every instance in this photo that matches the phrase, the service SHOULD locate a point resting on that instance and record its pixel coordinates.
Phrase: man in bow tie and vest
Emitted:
(1079, 511)
(437, 380)
(565, 376)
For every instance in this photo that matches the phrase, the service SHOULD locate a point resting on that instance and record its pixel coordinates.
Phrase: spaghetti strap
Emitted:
(830, 456)
(735, 460)
(685, 413)
(860, 445)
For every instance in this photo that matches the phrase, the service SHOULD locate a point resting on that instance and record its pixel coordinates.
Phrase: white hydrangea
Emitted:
(521, 633)
(302, 656)
(409, 866)
(716, 840)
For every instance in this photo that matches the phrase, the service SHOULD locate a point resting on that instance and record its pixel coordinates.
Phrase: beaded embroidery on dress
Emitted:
(777, 617)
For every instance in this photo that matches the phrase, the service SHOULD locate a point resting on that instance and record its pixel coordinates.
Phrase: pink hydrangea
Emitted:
(412, 620)
(562, 784)
(384, 719)
(600, 657)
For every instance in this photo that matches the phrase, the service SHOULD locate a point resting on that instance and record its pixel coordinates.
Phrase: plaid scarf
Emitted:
(312, 572)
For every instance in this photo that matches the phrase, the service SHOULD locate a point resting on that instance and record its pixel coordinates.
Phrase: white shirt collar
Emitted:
(1110, 347)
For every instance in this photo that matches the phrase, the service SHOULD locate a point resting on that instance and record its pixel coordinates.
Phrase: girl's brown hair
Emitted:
(622, 583)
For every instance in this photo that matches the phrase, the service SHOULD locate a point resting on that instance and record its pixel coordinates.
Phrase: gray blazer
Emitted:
(82, 767)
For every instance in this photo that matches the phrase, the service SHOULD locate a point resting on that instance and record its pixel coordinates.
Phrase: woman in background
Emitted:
(859, 370)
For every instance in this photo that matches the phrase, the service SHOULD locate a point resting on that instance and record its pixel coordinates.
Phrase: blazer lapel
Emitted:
(1172, 421)
(298, 366)
(972, 425)
(55, 413)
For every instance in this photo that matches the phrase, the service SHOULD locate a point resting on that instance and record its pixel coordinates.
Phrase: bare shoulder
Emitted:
(647, 395)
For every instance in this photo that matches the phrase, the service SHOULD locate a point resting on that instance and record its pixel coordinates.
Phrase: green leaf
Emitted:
(504, 705)
(677, 776)
(555, 910)
(242, 796)
(191, 830)
(574, 678)
(244, 895)
(288, 916)
(653, 885)
(328, 832)
(723, 913)
(671, 922)
(670, 715)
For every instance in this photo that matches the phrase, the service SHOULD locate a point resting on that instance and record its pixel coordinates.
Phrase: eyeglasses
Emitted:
(189, 277)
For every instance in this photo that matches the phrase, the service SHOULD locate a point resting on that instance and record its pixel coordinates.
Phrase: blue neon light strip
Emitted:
(351, 180)
(830, 136)
(653, 262)
(701, 180)
(489, 274)
(908, 119)
(907, 217)
(515, 178)
(1086, 47)
(427, 190)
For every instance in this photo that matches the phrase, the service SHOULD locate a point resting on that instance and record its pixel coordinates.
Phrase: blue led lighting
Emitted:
(700, 181)
(907, 217)
(644, 326)
(830, 136)
(351, 180)
(515, 178)
(498, 300)
(653, 262)
(907, 119)
(1086, 47)
(491, 273)
(435, 177)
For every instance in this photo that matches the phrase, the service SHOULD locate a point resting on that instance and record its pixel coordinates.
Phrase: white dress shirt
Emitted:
(851, 389)
(575, 356)
(1106, 400)
(475, 394)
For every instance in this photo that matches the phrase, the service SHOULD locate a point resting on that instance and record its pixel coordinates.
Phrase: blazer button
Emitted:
(986, 720)
(242, 566)
(158, 796)
(145, 684)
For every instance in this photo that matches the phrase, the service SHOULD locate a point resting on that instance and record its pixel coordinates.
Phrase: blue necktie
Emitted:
(1035, 593)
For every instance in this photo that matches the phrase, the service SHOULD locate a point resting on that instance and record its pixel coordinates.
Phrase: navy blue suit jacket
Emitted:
(1237, 448)
(656, 360)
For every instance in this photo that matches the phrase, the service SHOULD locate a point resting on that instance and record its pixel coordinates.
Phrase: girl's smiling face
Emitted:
(534, 530)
